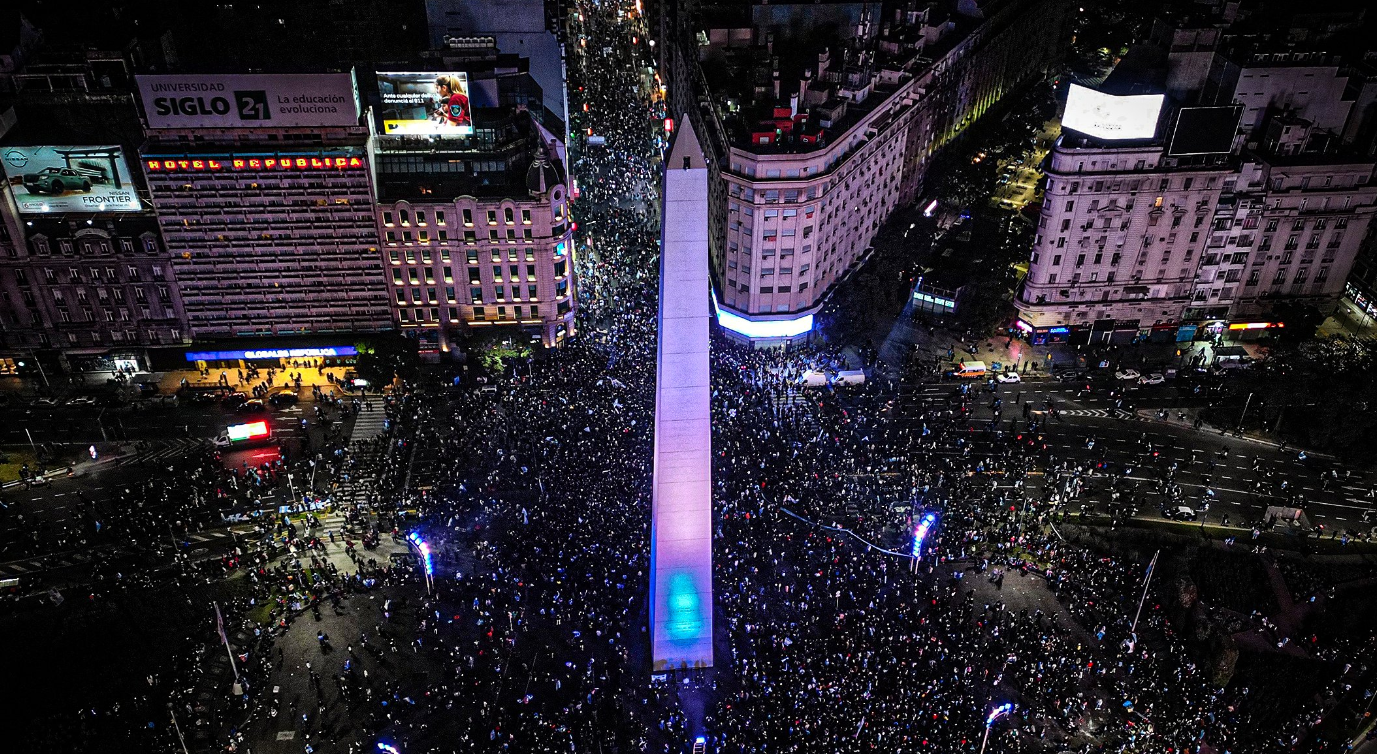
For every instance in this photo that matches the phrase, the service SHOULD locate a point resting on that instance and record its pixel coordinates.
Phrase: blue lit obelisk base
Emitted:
(681, 505)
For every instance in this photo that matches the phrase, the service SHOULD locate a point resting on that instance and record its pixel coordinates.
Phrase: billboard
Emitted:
(1106, 116)
(217, 163)
(1205, 130)
(69, 179)
(264, 100)
(427, 104)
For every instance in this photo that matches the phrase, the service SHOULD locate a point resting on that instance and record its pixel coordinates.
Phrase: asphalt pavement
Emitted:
(1114, 429)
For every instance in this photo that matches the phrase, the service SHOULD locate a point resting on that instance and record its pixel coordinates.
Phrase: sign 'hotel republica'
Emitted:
(249, 100)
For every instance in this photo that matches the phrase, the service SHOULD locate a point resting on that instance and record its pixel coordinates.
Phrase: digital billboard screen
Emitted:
(266, 100)
(1205, 130)
(425, 104)
(1106, 116)
(69, 179)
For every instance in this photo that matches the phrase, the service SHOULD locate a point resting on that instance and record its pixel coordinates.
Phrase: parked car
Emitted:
(234, 399)
(1179, 513)
(284, 398)
(1152, 379)
(1009, 377)
(1127, 374)
(248, 407)
(82, 400)
(45, 402)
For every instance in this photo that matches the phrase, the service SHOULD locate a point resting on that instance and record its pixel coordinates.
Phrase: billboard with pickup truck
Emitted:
(69, 179)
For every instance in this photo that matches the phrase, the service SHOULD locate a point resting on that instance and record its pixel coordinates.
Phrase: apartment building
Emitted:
(804, 174)
(1237, 196)
(478, 237)
(85, 281)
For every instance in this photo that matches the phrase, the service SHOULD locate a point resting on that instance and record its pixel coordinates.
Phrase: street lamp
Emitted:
(423, 548)
(920, 533)
(995, 714)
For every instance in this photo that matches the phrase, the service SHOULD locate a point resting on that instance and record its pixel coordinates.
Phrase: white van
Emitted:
(970, 370)
(850, 377)
(813, 378)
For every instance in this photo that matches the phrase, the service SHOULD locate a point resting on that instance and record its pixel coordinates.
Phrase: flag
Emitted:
(220, 624)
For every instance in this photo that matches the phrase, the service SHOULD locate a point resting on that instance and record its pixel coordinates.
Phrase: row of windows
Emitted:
(431, 294)
(107, 313)
(508, 216)
(395, 256)
(442, 236)
(95, 274)
(422, 315)
(97, 337)
(765, 290)
(90, 246)
(414, 275)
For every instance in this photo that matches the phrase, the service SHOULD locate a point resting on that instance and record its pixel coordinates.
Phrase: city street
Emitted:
(957, 542)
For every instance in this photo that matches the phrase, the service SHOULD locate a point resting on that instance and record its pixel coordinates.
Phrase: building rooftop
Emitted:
(504, 157)
(810, 71)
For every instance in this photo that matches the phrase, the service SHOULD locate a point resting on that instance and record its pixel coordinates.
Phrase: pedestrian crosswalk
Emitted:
(32, 566)
(368, 424)
(160, 450)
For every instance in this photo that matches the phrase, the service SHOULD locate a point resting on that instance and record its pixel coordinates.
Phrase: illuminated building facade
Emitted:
(86, 283)
(1207, 213)
(808, 163)
(271, 228)
(478, 238)
(270, 242)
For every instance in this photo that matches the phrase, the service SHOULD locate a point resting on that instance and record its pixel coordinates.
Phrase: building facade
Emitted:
(804, 177)
(100, 289)
(277, 242)
(271, 228)
(1247, 199)
(478, 238)
(1130, 235)
(86, 283)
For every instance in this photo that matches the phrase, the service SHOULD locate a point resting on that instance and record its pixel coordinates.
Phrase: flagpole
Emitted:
(1152, 566)
(220, 626)
(177, 728)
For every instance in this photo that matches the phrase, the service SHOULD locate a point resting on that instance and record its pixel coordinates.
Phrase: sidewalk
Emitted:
(935, 342)
(169, 382)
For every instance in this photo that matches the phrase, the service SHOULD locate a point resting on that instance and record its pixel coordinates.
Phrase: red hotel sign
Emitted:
(252, 163)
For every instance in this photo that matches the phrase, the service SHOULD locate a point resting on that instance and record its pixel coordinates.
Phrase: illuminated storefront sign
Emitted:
(938, 301)
(273, 353)
(1255, 325)
(762, 328)
(221, 164)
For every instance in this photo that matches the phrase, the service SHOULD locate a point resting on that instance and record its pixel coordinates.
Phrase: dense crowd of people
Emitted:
(836, 631)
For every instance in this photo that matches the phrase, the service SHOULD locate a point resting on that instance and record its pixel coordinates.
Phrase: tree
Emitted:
(494, 349)
(982, 305)
(1301, 321)
(1318, 394)
(386, 357)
